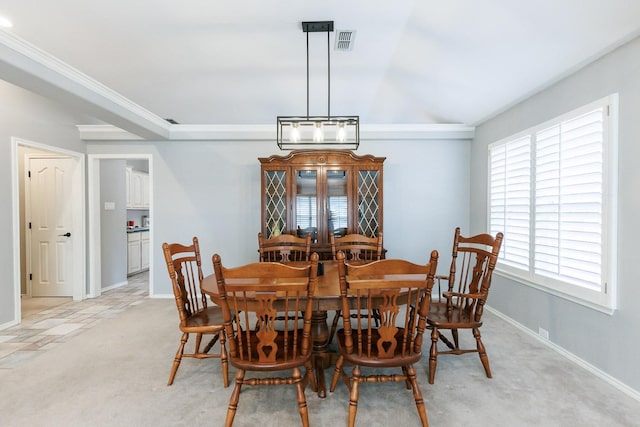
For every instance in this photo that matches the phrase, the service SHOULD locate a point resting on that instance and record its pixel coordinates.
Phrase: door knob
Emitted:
(67, 234)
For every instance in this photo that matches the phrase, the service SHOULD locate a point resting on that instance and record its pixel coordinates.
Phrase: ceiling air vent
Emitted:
(344, 39)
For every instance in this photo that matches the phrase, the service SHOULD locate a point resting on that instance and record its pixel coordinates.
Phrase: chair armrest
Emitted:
(465, 302)
(449, 295)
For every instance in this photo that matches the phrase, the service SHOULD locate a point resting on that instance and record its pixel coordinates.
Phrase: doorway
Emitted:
(99, 218)
(66, 279)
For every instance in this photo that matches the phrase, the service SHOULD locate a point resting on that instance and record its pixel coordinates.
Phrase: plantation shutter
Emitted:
(569, 200)
(306, 212)
(510, 198)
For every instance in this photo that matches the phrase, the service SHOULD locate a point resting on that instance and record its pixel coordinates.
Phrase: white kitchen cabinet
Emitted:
(144, 250)
(133, 253)
(137, 184)
(144, 183)
(138, 252)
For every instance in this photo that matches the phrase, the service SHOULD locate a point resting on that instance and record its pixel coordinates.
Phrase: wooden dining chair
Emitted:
(461, 305)
(196, 315)
(264, 291)
(357, 248)
(284, 248)
(400, 291)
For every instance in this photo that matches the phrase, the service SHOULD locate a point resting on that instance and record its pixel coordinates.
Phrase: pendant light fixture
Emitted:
(318, 131)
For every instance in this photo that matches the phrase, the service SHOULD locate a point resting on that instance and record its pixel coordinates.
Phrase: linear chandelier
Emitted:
(318, 131)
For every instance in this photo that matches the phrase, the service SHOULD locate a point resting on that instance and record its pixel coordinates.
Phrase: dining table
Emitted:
(326, 298)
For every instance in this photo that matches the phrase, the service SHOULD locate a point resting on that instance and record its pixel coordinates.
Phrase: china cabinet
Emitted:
(322, 192)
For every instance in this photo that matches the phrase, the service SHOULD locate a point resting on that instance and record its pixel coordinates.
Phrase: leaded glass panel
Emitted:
(368, 203)
(275, 207)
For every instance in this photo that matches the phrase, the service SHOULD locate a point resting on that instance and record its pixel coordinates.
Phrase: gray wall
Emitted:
(113, 239)
(607, 342)
(212, 190)
(30, 117)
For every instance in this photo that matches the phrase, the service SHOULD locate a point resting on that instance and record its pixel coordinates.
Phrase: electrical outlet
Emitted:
(543, 333)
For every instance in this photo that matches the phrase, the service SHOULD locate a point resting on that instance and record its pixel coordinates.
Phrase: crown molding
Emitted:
(105, 133)
(268, 132)
(30, 67)
(416, 131)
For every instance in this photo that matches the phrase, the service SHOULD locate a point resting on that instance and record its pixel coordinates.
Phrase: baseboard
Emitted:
(116, 285)
(8, 324)
(162, 296)
(635, 394)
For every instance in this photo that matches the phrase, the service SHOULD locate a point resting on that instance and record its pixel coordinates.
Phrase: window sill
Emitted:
(603, 308)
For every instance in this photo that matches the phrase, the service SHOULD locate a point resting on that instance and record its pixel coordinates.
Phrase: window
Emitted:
(306, 212)
(338, 210)
(552, 191)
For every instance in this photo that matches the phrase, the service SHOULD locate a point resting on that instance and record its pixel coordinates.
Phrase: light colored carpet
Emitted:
(115, 374)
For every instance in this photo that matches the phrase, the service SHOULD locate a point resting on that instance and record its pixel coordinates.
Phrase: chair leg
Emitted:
(449, 344)
(334, 326)
(178, 358)
(198, 342)
(433, 354)
(336, 373)
(224, 362)
(482, 352)
(444, 339)
(211, 343)
(310, 376)
(454, 334)
(302, 401)
(353, 397)
(417, 394)
(406, 375)
(235, 397)
(377, 316)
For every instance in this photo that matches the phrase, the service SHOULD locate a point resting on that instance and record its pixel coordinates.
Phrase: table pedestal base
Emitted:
(322, 357)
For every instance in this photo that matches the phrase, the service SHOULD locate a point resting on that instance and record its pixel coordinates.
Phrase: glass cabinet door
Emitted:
(337, 211)
(275, 202)
(306, 219)
(368, 189)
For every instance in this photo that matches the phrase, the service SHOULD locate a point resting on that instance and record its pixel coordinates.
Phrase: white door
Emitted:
(51, 223)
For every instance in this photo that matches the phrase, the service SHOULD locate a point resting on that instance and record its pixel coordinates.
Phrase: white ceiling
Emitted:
(244, 62)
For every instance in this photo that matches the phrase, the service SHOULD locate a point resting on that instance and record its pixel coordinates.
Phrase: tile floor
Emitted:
(48, 328)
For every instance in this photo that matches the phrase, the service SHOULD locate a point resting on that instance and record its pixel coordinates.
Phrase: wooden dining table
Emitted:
(326, 298)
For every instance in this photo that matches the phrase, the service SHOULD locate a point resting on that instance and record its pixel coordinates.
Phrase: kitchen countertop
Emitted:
(137, 229)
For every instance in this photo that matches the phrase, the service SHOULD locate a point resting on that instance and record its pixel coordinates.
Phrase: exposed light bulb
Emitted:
(318, 133)
(294, 135)
(341, 135)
